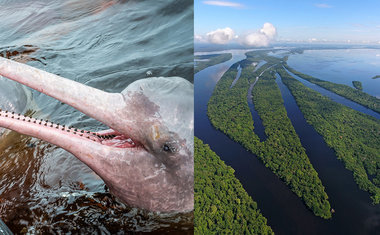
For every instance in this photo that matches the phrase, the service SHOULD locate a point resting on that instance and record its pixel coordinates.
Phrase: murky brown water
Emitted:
(105, 44)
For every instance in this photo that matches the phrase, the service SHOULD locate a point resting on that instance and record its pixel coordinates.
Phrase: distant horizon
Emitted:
(260, 23)
(201, 47)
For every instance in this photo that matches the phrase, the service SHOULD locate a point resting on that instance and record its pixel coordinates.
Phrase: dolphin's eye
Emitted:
(166, 148)
(169, 148)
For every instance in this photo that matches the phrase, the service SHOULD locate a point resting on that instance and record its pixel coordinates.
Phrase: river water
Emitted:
(341, 66)
(285, 212)
(106, 44)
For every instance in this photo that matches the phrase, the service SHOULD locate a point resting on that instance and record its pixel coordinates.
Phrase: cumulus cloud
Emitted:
(323, 5)
(223, 4)
(260, 38)
(199, 38)
(221, 36)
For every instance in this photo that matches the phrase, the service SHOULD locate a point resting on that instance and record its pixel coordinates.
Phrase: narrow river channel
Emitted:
(337, 98)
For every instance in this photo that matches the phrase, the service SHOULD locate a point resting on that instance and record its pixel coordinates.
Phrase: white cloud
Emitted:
(221, 36)
(224, 4)
(313, 40)
(260, 38)
(323, 5)
(199, 38)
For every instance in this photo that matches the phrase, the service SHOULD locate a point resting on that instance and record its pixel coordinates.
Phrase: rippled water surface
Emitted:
(104, 44)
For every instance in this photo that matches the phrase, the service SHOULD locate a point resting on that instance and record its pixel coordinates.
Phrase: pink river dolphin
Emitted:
(146, 158)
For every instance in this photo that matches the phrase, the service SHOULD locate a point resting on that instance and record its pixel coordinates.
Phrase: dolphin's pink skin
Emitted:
(146, 158)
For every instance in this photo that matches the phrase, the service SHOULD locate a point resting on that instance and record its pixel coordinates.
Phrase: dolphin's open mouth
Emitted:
(108, 137)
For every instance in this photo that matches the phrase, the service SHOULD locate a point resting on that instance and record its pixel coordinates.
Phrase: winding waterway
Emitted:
(285, 212)
(257, 122)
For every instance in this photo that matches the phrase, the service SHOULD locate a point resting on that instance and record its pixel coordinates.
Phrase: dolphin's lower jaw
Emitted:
(108, 138)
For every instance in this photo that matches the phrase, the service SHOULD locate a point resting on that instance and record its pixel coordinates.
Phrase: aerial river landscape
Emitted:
(352, 209)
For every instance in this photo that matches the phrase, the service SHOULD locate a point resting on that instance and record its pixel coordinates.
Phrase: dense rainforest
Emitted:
(282, 151)
(205, 61)
(221, 203)
(358, 85)
(348, 92)
(354, 136)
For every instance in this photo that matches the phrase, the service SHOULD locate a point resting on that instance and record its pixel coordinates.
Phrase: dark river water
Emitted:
(106, 44)
(285, 212)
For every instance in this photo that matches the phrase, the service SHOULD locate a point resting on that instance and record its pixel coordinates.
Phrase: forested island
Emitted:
(205, 61)
(358, 85)
(221, 204)
(282, 151)
(377, 76)
(348, 92)
(354, 136)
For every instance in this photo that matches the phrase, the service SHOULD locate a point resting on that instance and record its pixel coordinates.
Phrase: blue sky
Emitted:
(294, 20)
